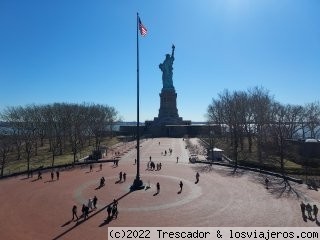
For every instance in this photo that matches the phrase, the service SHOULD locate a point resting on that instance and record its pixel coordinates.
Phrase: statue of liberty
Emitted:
(166, 68)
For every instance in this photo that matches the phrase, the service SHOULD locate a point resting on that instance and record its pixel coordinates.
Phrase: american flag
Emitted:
(143, 29)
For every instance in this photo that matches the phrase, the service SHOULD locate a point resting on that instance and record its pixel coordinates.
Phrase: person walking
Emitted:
(158, 187)
(177, 159)
(86, 212)
(90, 167)
(109, 210)
(94, 201)
(303, 210)
(74, 212)
(102, 181)
(52, 175)
(197, 177)
(115, 202)
(315, 211)
(115, 211)
(100, 166)
(124, 177)
(90, 203)
(309, 210)
(57, 174)
(267, 183)
(120, 176)
(181, 186)
(83, 209)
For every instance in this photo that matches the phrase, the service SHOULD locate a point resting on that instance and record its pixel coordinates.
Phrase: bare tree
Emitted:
(11, 116)
(278, 131)
(261, 102)
(5, 148)
(100, 122)
(76, 116)
(230, 109)
(312, 114)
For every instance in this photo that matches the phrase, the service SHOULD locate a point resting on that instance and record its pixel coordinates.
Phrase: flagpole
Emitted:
(137, 183)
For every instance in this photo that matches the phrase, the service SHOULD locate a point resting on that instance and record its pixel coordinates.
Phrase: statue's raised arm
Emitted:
(172, 54)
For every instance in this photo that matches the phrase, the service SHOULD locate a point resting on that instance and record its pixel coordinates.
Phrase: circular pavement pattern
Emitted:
(41, 209)
(190, 191)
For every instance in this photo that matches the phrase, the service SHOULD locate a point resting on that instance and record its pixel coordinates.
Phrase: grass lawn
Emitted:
(44, 157)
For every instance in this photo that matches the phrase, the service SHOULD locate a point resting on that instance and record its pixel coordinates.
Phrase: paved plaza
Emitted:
(41, 209)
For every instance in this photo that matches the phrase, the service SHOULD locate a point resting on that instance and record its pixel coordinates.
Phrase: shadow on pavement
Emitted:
(83, 221)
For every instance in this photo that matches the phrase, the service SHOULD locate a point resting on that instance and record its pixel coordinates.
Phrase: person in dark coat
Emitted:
(115, 202)
(303, 210)
(267, 183)
(115, 211)
(181, 186)
(124, 176)
(109, 210)
(315, 211)
(309, 210)
(197, 177)
(57, 174)
(52, 176)
(102, 182)
(94, 201)
(158, 187)
(39, 175)
(86, 212)
(83, 210)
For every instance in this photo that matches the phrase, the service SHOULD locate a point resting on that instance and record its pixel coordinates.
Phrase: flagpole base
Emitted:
(137, 185)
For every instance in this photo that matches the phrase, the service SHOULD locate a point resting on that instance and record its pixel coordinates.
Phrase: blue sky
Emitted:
(85, 51)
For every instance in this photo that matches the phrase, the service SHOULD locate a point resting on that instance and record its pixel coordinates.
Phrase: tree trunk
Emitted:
(36, 149)
(2, 164)
(250, 143)
(28, 163)
(53, 155)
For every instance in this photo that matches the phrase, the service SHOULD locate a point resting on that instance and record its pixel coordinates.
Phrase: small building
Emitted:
(215, 154)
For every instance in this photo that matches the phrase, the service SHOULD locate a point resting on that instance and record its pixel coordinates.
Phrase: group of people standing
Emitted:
(57, 175)
(310, 210)
(122, 175)
(152, 166)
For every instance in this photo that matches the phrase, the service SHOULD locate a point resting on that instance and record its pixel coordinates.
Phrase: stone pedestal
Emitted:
(168, 123)
(168, 104)
(168, 112)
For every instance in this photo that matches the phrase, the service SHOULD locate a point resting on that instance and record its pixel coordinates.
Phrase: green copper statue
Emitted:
(166, 68)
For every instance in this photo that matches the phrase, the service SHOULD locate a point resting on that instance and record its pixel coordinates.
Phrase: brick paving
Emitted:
(42, 209)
